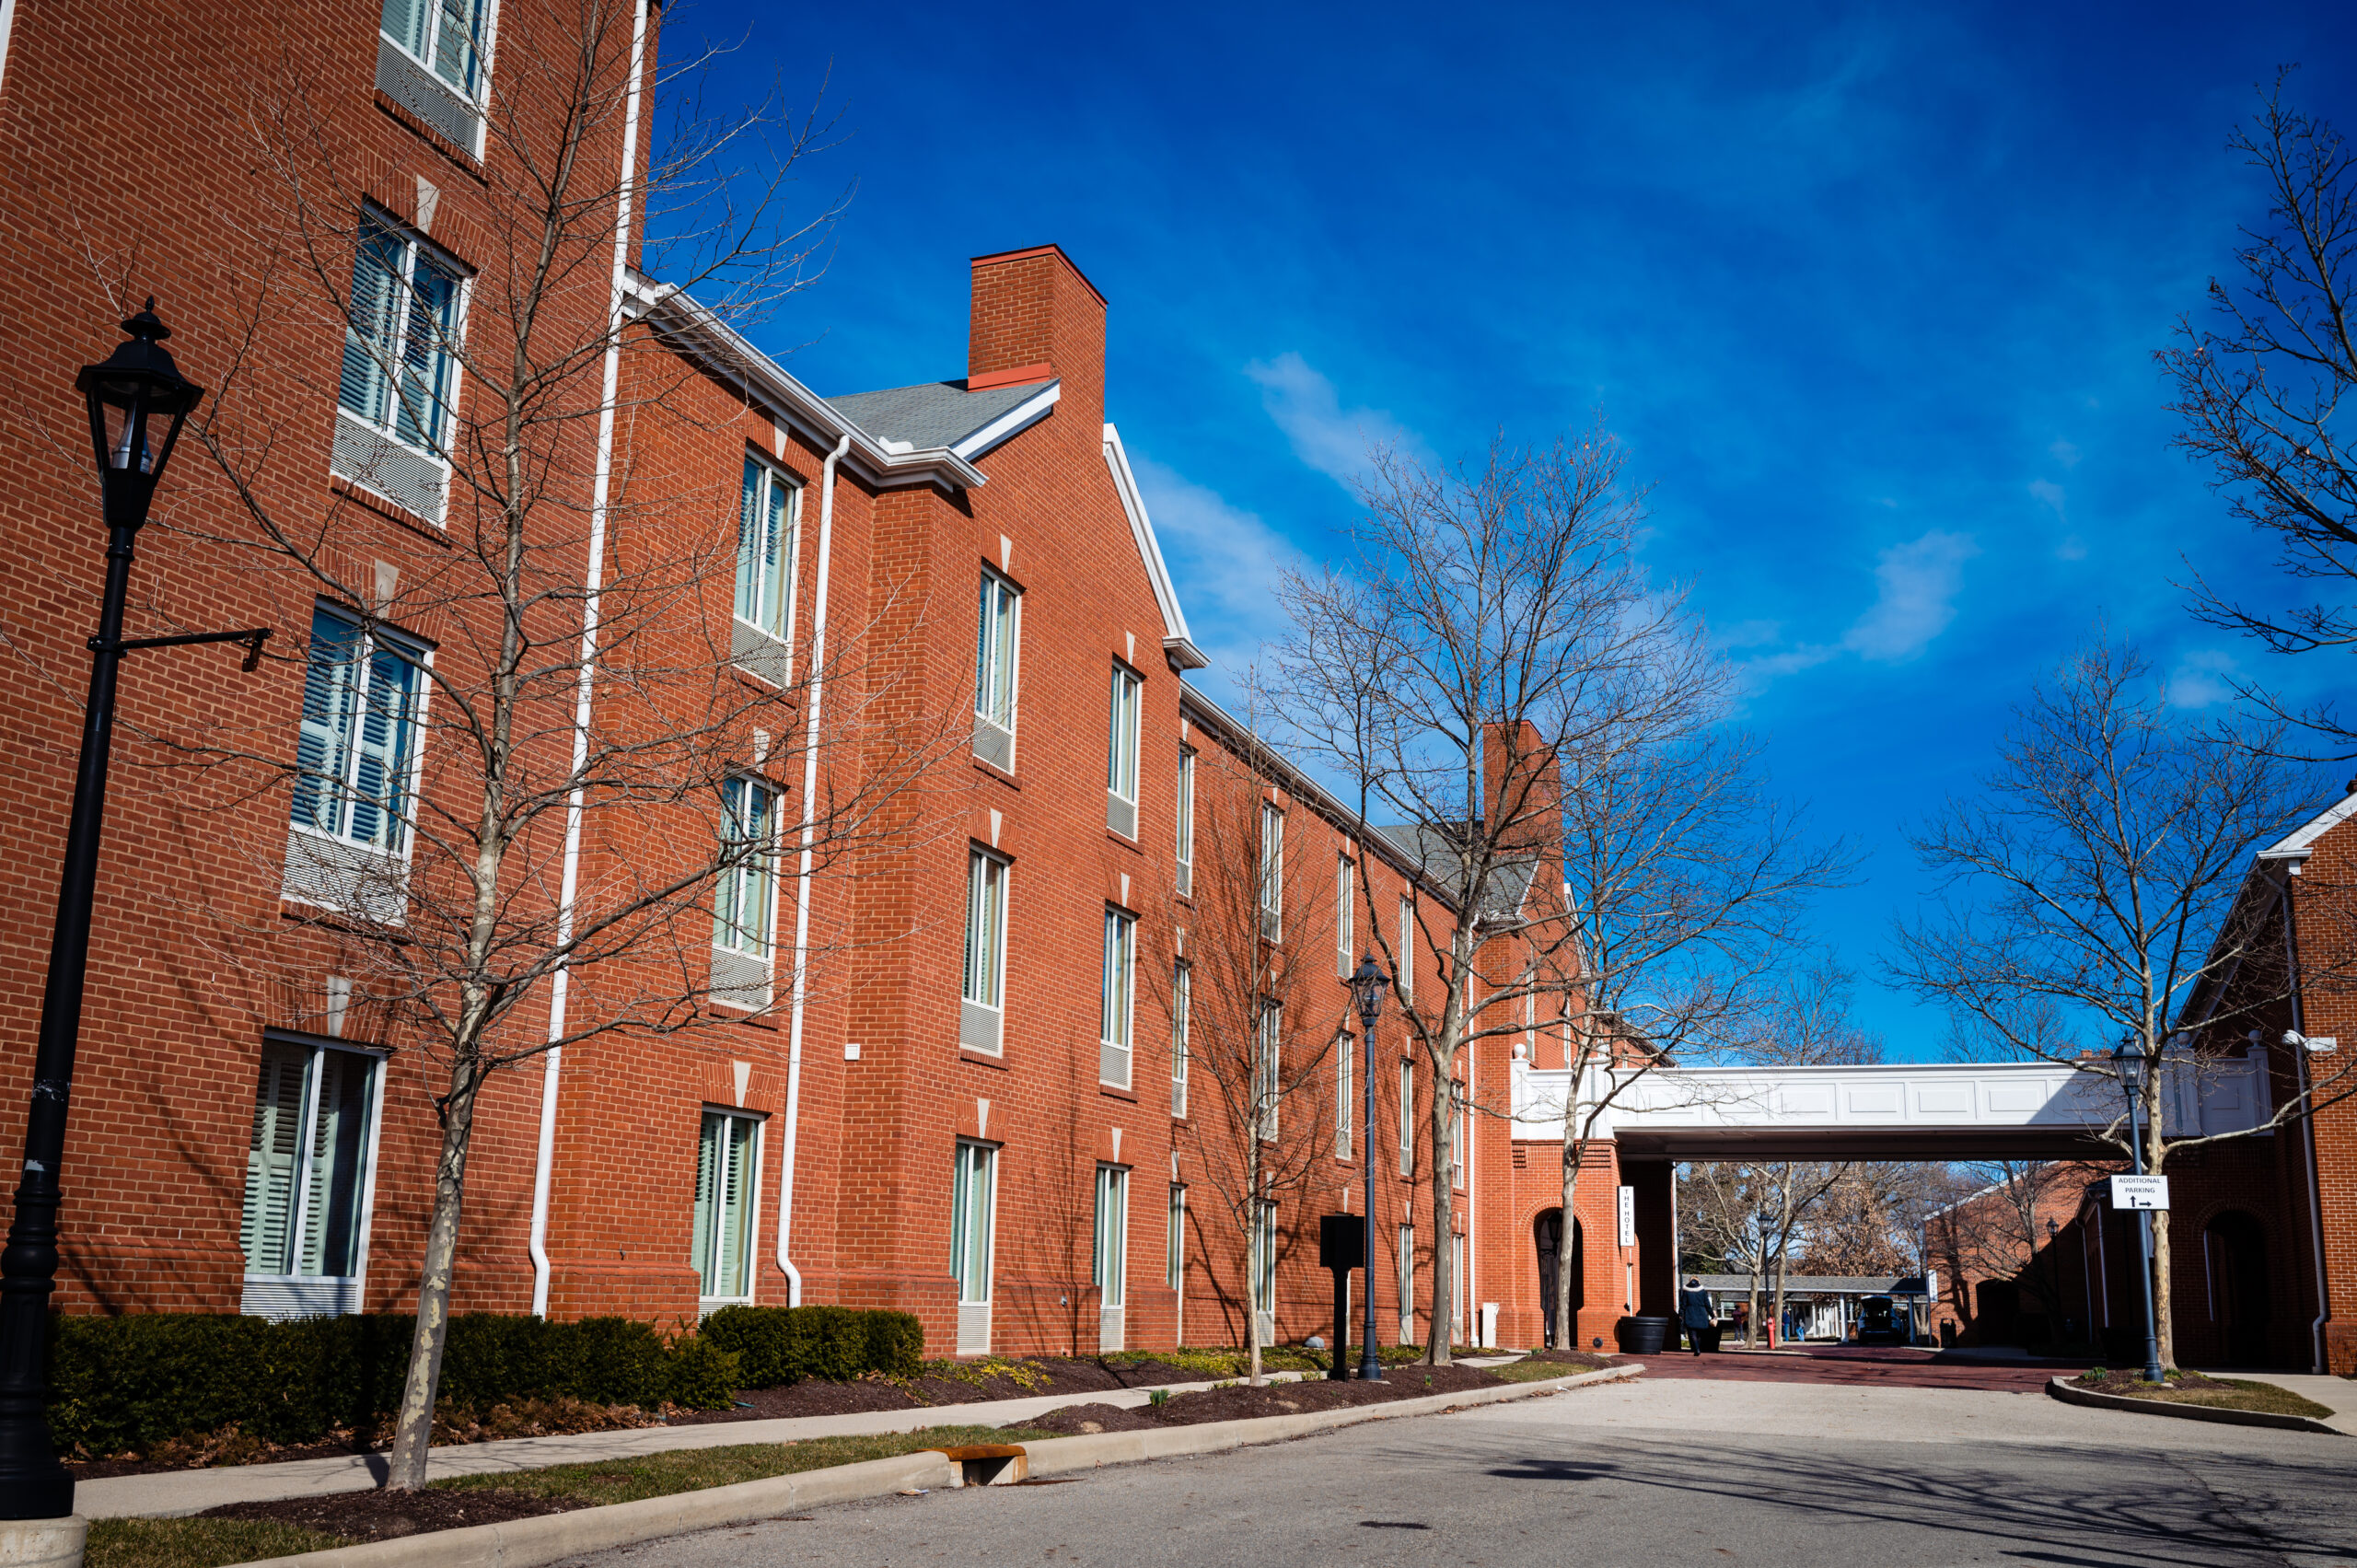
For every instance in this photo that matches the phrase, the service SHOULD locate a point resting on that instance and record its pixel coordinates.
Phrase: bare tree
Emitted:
(2259, 387)
(537, 800)
(2089, 900)
(1682, 884)
(1259, 1017)
(1493, 621)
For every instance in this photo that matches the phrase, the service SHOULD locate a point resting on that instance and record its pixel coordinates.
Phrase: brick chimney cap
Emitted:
(1056, 250)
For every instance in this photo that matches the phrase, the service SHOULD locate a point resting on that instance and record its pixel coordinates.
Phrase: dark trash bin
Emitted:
(1642, 1336)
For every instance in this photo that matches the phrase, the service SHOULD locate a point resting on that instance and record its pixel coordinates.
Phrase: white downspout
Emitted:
(802, 875)
(2308, 1127)
(553, 1063)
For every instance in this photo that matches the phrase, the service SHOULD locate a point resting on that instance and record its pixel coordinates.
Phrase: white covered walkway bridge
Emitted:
(1895, 1111)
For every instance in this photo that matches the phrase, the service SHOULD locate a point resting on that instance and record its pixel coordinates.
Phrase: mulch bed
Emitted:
(1059, 1376)
(384, 1516)
(1574, 1360)
(1242, 1402)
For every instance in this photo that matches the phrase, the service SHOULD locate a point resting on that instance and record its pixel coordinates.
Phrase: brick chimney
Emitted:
(1035, 317)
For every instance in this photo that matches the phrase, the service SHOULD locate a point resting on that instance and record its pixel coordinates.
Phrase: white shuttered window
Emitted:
(307, 1164)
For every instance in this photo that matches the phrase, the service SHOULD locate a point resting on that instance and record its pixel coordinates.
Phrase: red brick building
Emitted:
(945, 1070)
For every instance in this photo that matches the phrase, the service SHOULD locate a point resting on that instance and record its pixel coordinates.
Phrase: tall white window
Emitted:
(766, 531)
(1264, 1261)
(1182, 989)
(399, 376)
(741, 901)
(444, 36)
(1111, 1271)
(1406, 1119)
(1272, 874)
(974, 1200)
(1343, 1096)
(981, 1017)
(1174, 1244)
(1458, 1313)
(727, 1179)
(997, 634)
(1405, 952)
(1407, 1262)
(1345, 895)
(1119, 994)
(1456, 1134)
(355, 751)
(1185, 815)
(1268, 1069)
(306, 1225)
(1121, 755)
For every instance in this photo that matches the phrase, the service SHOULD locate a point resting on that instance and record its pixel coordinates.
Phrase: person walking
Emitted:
(1694, 1313)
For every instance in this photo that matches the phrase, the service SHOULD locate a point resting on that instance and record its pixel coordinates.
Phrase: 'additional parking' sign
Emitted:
(2140, 1192)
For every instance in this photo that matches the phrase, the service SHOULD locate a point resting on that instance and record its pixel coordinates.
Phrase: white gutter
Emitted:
(2308, 1128)
(1010, 424)
(553, 1063)
(802, 874)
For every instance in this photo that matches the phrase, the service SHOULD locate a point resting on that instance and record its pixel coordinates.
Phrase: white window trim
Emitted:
(792, 546)
(1174, 1241)
(1343, 1067)
(1404, 959)
(990, 1235)
(1404, 1272)
(1013, 674)
(1135, 740)
(1182, 1005)
(1407, 1118)
(706, 1305)
(299, 1208)
(978, 859)
(437, 451)
(1122, 935)
(1346, 890)
(420, 655)
(1184, 831)
(1099, 1271)
(479, 98)
(1271, 877)
(769, 917)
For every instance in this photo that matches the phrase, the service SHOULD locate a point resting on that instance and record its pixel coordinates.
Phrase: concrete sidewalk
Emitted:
(2336, 1394)
(168, 1493)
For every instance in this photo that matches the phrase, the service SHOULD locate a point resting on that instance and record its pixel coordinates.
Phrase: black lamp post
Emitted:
(1368, 984)
(138, 400)
(2131, 1065)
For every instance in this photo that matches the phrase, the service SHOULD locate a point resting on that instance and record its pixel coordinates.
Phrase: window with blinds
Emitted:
(972, 1211)
(307, 1169)
(1121, 754)
(399, 381)
(354, 754)
(727, 1169)
(767, 512)
(1182, 1002)
(997, 631)
(1118, 998)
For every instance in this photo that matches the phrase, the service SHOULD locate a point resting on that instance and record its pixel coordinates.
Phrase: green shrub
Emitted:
(777, 1345)
(122, 1385)
(703, 1377)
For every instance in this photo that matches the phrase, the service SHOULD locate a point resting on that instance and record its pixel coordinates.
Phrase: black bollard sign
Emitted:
(1341, 1247)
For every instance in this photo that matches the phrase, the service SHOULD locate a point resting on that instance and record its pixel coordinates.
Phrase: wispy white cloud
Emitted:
(2049, 492)
(1224, 560)
(1329, 437)
(1915, 590)
(2202, 678)
(2066, 454)
(1916, 585)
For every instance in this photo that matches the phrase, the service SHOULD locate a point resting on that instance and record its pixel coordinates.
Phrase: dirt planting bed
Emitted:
(1241, 1402)
(969, 1384)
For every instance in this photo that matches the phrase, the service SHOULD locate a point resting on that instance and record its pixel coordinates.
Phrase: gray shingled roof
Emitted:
(937, 414)
(1433, 855)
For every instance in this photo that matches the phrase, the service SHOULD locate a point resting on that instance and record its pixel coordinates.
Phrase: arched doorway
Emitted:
(1546, 1231)
(2235, 1247)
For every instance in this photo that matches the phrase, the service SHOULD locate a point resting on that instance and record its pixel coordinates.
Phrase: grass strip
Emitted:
(694, 1469)
(2217, 1393)
(197, 1544)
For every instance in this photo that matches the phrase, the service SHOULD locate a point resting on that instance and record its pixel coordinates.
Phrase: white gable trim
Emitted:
(1175, 642)
(2299, 844)
(1011, 423)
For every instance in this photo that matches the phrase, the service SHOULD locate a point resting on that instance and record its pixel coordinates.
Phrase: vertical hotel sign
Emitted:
(1627, 1216)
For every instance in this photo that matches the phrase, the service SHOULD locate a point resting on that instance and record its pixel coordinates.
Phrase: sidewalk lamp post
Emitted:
(2131, 1065)
(137, 402)
(1367, 984)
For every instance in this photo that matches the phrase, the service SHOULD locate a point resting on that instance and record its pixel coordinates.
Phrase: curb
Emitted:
(553, 1538)
(2060, 1389)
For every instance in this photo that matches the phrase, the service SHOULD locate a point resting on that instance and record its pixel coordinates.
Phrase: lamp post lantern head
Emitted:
(2129, 1063)
(138, 400)
(1367, 984)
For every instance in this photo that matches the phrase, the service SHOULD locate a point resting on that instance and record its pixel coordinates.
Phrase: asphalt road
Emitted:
(1654, 1473)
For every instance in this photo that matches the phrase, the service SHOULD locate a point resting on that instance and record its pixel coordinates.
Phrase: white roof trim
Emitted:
(696, 330)
(1175, 642)
(2301, 842)
(1011, 423)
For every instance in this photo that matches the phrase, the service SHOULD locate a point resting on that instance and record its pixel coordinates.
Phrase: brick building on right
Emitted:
(2263, 1226)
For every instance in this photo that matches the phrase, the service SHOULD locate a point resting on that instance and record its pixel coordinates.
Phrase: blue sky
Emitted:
(1869, 292)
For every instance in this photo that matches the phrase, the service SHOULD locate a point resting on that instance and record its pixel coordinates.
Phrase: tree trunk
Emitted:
(1437, 1334)
(414, 1427)
(1566, 1252)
